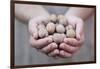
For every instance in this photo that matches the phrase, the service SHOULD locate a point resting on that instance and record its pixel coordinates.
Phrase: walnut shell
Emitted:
(42, 31)
(45, 22)
(58, 38)
(70, 33)
(62, 20)
(69, 27)
(53, 18)
(60, 16)
(50, 28)
(60, 28)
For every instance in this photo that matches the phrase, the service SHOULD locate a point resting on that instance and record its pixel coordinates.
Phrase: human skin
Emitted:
(68, 47)
(71, 45)
(46, 44)
(75, 16)
(33, 16)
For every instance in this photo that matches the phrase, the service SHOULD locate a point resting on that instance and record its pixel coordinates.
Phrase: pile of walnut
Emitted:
(57, 27)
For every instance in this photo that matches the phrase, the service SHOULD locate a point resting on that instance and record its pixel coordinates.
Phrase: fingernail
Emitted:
(65, 40)
(61, 46)
(57, 51)
(78, 37)
(62, 52)
(49, 40)
(54, 45)
(35, 36)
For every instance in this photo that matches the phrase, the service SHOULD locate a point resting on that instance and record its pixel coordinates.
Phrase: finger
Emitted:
(71, 22)
(42, 19)
(68, 48)
(33, 28)
(49, 48)
(54, 53)
(64, 54)
(41, 42)
(34, 33)
(79, 28)
(73, 41)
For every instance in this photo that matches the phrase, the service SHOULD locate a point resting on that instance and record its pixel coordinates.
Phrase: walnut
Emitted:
(50, 27)
(60, 28)
(58, 38)
(42, 31)
(53, 18)
(70, 32)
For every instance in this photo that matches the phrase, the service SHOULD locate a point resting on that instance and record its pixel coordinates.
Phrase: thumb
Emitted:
(78, 36)
(79, 29)
(41, 42)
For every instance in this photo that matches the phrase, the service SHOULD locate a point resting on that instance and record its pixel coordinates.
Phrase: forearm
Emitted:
(83, 13)
(25, 12)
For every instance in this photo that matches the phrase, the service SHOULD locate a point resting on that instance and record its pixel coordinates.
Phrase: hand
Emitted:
(71, 45)
(45, 44)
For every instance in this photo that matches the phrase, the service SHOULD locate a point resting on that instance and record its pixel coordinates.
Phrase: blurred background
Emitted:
(26, 55)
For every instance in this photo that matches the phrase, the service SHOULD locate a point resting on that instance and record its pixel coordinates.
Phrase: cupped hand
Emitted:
(71, 45)
(46, 45)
